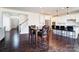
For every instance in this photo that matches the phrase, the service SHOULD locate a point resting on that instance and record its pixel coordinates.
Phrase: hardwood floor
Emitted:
(62, 44)
(20, 43)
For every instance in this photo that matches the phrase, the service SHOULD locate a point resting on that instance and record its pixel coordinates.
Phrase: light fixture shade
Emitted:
(68, 15)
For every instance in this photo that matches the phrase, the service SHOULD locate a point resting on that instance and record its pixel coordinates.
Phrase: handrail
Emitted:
(23, 22)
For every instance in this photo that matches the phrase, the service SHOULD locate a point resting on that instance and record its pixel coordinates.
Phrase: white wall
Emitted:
(1, 19)
(14, 22)
(34, 19)
(6, 22)
(62, 20)
(38, 19)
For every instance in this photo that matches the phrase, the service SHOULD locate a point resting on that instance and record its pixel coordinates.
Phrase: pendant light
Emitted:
(67, 11)
(71, 18)
(57, 11)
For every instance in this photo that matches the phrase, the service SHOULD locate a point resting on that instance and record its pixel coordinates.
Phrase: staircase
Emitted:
(23, 24)
(23, 27)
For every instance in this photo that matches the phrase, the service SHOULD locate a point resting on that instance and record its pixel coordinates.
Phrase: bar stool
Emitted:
(62, 29)
(57, 34)
(73, 39)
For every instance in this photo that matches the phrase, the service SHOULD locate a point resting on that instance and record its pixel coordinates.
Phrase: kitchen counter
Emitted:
(70, 34)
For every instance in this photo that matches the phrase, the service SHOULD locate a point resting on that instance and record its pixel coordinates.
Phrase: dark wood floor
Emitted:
(20, 43)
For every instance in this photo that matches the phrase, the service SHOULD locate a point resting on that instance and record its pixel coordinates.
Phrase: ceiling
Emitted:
(54, 11)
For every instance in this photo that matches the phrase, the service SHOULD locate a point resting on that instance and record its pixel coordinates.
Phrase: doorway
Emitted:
(11, 24)
(48, 23)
